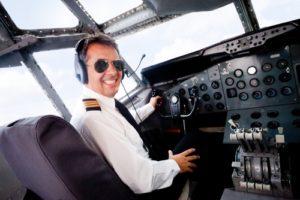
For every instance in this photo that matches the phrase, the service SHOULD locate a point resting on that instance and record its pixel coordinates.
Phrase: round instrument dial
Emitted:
(174, 99)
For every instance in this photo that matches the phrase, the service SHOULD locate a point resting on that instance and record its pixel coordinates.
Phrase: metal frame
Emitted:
(247, 15)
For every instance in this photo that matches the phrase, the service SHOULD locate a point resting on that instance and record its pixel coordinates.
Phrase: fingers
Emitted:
(190, 167)
(193, 165)
(193, 157)
(185, 160)
(156, 101)
(188, 152)
(157, 97)
(170, 153)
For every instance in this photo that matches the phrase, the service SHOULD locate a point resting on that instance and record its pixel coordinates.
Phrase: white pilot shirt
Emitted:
(107, 130)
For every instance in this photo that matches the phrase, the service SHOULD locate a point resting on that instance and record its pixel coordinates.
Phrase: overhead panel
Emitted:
(163, 7)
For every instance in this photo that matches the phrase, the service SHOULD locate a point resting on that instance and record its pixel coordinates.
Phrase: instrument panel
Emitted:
(259, 80)
(256, 90)
(202, 93)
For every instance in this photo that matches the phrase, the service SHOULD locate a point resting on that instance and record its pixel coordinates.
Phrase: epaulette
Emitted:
(91, 104)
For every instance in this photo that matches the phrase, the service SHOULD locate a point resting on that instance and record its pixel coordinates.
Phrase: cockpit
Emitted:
(233, 77)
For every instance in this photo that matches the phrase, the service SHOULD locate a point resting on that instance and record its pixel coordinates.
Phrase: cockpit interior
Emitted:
(241, 95)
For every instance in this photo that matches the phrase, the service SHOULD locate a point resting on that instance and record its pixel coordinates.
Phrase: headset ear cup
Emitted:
(80, 70)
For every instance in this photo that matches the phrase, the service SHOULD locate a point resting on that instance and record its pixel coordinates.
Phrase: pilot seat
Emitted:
(50, 159)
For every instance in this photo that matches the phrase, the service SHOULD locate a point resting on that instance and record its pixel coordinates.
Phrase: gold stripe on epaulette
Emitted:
(91, 104)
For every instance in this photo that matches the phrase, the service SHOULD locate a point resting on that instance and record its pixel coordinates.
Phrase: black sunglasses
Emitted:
(102, 64)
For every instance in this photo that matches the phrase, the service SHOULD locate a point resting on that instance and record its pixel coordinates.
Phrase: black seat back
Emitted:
(50, 158)
(10, 186)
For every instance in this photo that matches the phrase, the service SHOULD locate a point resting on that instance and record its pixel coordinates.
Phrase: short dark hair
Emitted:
(100, 38)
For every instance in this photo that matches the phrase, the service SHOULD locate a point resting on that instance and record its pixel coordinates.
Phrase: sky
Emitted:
(21, 96)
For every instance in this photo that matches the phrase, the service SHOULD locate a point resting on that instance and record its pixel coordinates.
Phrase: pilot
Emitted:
(106, 125)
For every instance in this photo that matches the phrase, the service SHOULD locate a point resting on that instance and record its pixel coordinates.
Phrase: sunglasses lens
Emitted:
(119, 64)
(101, 65)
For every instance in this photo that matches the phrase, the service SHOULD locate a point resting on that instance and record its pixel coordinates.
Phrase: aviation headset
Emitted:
(80, 48)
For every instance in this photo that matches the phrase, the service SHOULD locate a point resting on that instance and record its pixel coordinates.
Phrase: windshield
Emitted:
(271, 12)
(35, 14)
(180, 36)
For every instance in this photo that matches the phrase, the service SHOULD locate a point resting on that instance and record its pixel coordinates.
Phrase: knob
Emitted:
(273, 124)
(255, 115)
(296, 112)
(269, 80)
(285, 77)
(238, 73)
(203, 87)
(220, 106)
(286, 91)
(243, 96)
(241, 84)
(256, 124)
(257, 95)
(271, 92)
(251, 70)
(282, 64)
(206, 97)
(215, 84)
(229, 81)
(254, 82)
(174, 99)
(217, 95)
(235, 116)
(267, 67)
(272, 113)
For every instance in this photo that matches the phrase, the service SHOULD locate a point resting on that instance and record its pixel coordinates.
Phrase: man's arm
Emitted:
(143, 112)
(130, 162)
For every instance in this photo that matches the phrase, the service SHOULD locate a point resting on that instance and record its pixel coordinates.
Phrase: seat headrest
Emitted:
(50, 158)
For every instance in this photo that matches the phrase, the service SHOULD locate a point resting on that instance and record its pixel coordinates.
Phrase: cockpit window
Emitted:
(271, 12)
(21, 96)
(180, 36)
(36, 14)
(103, 11)
(58, 66)
(128, 84)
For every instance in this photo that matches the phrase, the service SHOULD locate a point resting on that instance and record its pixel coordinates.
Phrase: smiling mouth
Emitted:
(110, 82)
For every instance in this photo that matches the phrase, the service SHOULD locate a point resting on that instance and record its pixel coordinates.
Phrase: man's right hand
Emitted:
(184, 160)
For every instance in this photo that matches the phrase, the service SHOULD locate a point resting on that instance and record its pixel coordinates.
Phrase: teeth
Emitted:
(109, 81)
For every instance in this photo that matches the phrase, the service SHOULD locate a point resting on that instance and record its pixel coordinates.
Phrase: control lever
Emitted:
(175, 108)
(193, 108)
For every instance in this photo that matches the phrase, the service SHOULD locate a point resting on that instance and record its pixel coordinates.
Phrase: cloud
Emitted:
(40, 14)
(271, 12)
(24, 96)
(179, 47)
(103, 11)
(21, 96)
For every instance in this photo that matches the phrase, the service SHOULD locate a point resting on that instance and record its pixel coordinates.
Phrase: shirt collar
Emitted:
(103, 100)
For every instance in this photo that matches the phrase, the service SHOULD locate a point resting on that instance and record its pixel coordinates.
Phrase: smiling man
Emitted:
(106, 125)
(106, 83)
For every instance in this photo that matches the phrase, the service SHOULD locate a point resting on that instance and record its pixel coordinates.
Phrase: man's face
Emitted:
(106, 83)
